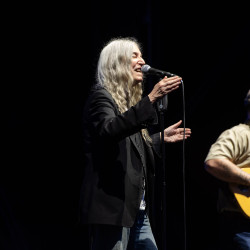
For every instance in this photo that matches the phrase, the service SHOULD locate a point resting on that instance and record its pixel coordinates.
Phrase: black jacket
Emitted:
(113, 160)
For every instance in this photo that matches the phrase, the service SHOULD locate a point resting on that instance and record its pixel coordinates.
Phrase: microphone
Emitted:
(162, 104)
(148, 70)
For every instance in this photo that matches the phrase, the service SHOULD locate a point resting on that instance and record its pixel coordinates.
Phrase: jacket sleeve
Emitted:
(108, 122)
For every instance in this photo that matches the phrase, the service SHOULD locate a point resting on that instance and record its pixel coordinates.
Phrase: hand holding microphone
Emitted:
(163, 87)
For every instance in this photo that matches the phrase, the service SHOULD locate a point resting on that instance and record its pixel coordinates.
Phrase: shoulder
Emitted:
(244, 127)
(98, 95)
(99, 92)
(99, 99)
(238, 130)
(236, 135)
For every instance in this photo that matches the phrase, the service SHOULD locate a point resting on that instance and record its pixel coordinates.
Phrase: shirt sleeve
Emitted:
(232, 144)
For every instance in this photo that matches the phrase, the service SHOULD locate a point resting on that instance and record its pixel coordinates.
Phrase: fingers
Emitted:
(177, 124)
(171, 80)
(181, 130)
(167, 85)
(187, 132)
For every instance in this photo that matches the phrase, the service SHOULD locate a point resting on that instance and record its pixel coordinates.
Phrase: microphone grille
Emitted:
(145, 68)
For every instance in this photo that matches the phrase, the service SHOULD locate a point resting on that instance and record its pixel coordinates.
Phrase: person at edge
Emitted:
(228, 160)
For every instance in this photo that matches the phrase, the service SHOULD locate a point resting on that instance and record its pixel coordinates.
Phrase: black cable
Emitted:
(183, 170)
(164, 204)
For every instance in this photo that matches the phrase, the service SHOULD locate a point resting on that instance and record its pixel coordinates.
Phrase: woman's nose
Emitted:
(141, 61)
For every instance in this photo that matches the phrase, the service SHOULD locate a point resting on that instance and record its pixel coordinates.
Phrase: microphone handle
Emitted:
(162, 104)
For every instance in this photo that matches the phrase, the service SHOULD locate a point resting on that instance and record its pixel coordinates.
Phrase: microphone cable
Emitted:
(183, 169)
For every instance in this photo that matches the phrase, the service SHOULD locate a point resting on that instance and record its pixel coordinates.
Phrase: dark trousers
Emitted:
(234, 231)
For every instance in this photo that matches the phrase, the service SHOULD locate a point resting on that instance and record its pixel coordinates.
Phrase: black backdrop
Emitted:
(50, 55)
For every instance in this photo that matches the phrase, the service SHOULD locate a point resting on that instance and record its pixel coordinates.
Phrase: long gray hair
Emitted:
(115, 75)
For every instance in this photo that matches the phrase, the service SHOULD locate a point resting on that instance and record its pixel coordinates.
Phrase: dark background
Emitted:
(50, 55)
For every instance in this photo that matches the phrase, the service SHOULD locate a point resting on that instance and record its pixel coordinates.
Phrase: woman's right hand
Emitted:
(163, 87)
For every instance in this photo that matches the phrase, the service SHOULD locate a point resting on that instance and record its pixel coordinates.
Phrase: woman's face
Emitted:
(136, 63)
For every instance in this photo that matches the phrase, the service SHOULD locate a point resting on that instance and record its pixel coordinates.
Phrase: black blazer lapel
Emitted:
(136, 143)
(150, 158)
(148, 150)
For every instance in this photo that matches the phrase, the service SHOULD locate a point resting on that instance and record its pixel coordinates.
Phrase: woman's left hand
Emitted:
(174, 134)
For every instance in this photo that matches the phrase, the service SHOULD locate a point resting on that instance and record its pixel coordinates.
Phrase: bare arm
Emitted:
(227, 171)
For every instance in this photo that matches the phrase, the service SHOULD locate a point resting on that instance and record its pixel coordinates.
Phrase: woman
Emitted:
(117, 193)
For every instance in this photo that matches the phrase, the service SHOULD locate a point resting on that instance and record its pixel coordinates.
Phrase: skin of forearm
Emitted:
(227, 171)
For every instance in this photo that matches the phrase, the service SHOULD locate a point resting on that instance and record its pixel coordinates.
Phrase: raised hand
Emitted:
(163, 87)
